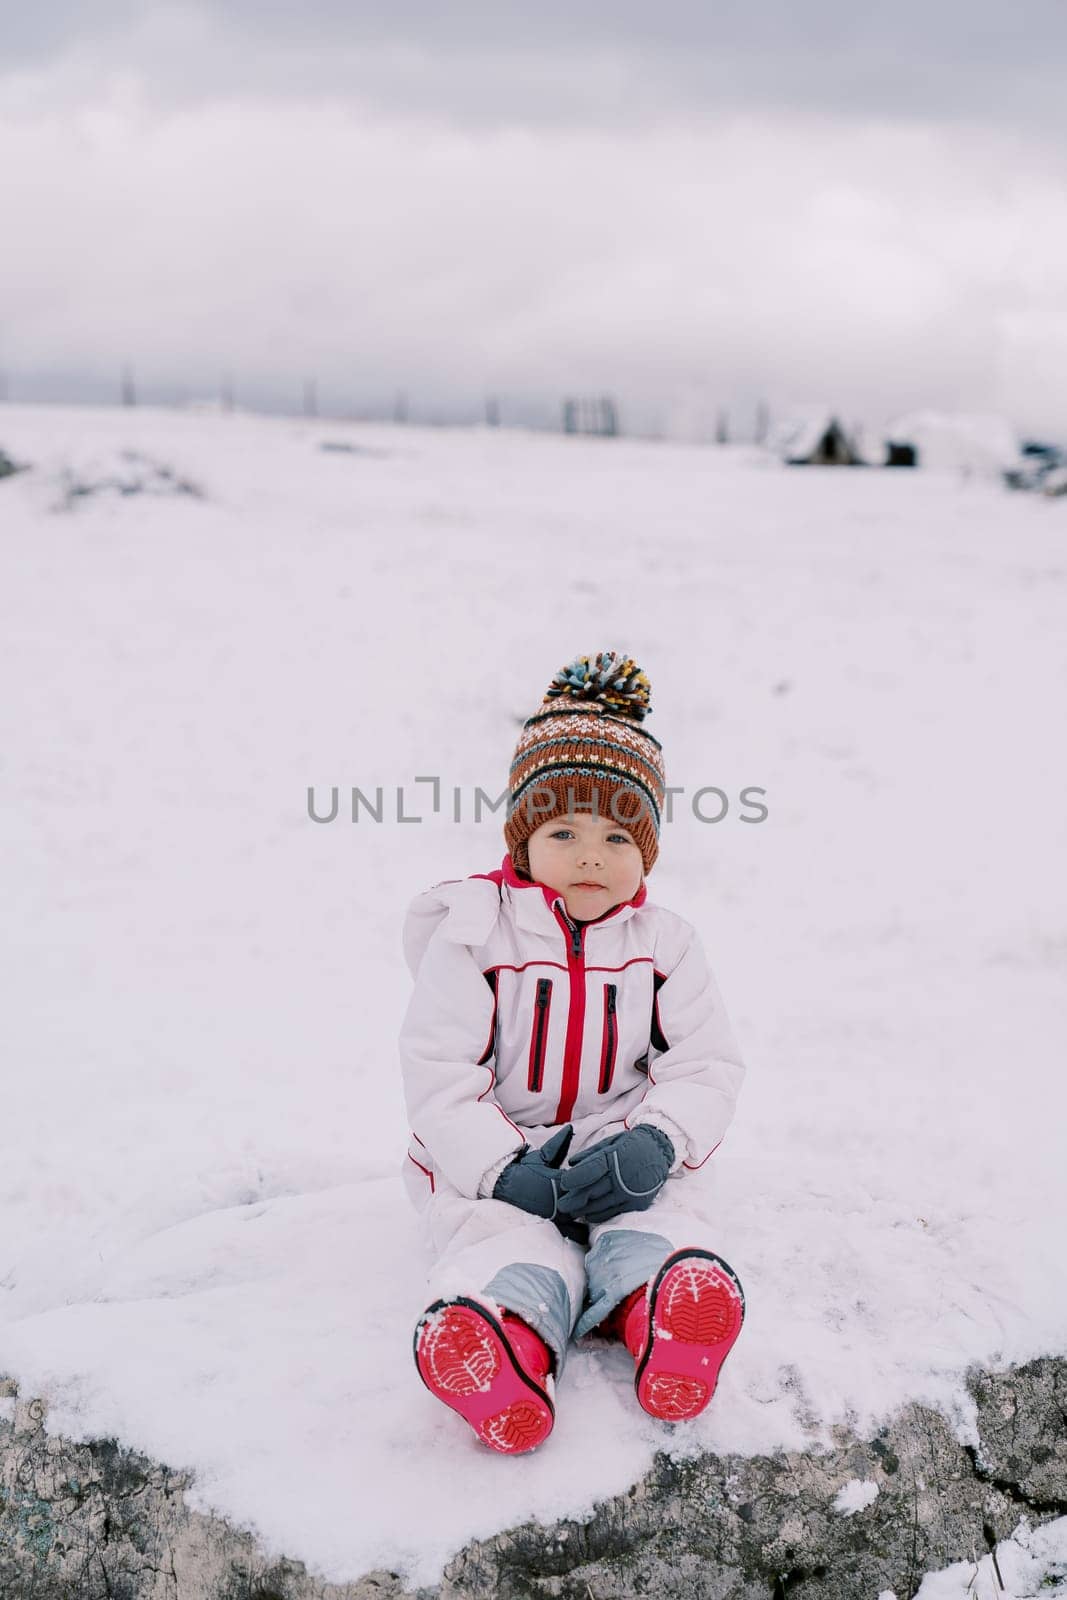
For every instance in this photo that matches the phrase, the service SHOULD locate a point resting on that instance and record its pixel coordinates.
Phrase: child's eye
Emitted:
(613, 838)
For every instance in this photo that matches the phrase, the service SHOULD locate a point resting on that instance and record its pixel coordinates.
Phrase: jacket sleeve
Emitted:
(695, 1077)
(448, 1087)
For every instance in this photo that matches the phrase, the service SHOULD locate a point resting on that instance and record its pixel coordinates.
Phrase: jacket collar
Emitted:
(534, 902)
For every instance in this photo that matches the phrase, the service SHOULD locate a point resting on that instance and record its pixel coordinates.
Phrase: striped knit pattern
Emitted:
(576, 754)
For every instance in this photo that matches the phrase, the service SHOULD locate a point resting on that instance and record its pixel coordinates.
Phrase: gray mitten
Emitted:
(624, 1173)
(531, 1181)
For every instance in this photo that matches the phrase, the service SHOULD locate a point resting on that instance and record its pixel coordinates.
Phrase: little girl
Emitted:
(568, 1069)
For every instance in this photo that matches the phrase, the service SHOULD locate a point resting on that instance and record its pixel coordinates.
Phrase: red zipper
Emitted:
(539, 1037)
(572, 1049)
(611, 1040)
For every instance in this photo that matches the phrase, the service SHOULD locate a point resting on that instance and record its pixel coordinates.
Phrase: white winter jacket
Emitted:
(522, 1020)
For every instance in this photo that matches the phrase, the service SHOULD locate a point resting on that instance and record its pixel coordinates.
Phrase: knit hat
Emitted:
(584, 750)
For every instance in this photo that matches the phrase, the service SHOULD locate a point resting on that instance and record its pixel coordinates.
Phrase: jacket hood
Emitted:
(470, 907)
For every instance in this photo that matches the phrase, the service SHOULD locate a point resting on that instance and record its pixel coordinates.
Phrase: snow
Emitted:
(958, 441)
(206, 1249)
(855, 1495)
(1032, 1563)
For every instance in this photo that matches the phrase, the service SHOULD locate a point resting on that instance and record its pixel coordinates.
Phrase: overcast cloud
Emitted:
(689, 204)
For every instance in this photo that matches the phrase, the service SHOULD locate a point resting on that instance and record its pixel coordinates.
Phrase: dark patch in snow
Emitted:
(130, 473)
(341, 447)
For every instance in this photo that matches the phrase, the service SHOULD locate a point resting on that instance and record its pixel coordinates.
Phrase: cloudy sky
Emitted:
(691, 204)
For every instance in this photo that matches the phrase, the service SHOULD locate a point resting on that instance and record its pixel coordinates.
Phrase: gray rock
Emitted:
(96, 1522)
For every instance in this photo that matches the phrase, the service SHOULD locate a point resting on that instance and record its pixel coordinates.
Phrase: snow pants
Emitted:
(525, 1265)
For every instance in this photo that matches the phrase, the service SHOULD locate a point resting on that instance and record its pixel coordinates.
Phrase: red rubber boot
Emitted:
(680, 1330)
(491, 1367)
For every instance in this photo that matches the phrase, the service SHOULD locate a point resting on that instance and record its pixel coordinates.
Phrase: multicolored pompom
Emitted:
(615, 681)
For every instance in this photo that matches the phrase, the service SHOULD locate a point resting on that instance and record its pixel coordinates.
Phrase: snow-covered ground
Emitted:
(1031, 1565)
(204, 1245)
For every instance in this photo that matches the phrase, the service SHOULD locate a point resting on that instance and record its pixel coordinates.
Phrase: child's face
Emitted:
(592, 861)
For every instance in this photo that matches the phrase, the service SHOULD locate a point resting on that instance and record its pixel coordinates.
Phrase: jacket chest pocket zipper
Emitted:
(611, 1039)
(539, 1038)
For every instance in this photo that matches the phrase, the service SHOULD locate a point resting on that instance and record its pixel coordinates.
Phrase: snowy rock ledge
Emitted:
(100, 1523)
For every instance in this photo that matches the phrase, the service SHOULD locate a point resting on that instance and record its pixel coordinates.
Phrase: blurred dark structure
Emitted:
(900, 454)
(597, 416)
(819, 441)
(1041, 467)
